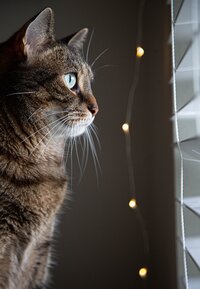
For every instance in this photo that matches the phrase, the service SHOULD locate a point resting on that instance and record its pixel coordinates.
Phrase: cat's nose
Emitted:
(93, 108)
(92, 104)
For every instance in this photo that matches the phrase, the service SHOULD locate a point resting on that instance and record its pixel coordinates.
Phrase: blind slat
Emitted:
(186, 88)
(191, 179)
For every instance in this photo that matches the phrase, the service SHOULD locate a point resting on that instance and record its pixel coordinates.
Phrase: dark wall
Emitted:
(153, 144)
(99, 243)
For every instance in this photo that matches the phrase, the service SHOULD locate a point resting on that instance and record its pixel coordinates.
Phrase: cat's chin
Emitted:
(76, 131)
(79, 128)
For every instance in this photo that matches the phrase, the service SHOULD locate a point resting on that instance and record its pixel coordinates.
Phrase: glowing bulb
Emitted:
(143, 272)
(125, 127)
(139, 52)
(132, 204)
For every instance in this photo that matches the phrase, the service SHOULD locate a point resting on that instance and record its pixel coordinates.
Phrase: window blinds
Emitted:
(186, 124)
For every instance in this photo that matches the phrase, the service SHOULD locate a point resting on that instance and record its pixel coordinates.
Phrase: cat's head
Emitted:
(47, 80)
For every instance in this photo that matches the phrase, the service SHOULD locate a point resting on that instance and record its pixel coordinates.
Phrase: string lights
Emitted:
(125, 127)
(132, 203)
(139, 52)
(142, 272)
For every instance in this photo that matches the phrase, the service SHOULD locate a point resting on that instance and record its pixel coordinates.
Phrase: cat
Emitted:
(45, 98)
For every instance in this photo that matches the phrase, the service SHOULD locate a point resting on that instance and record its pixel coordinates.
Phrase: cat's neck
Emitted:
(50, 151)
(27, 142)
(46, 163)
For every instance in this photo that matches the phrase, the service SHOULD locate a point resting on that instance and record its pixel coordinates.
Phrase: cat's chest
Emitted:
(45, 198)
(38, 189)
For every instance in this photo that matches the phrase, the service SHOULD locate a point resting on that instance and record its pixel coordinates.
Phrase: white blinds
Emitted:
(186, 95)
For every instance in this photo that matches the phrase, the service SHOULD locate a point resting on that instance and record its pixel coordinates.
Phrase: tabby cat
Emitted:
(45, 98)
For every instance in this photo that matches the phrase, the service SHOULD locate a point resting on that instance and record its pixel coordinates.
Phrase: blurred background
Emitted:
(99, 241)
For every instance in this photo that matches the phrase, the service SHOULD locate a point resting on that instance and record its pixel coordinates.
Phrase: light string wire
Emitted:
(129, 144)
(179, 148)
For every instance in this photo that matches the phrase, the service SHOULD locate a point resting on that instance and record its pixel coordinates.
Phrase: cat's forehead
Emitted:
(67, 59)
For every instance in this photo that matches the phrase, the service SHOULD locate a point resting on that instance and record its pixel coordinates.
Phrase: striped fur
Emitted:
(37, 114)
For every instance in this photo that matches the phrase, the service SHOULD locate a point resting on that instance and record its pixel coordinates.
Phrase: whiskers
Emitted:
(104, 66)
(83, 145)
(90, 132)
(89, 44)
(59, 139)
(20, 93)
(99, 56)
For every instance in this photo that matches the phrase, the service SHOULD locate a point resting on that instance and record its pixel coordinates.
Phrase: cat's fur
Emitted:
(37, 113)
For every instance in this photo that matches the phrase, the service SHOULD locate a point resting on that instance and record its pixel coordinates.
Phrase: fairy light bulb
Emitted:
(139, 52)
(143, 273)
(132, 204)
(125, 127)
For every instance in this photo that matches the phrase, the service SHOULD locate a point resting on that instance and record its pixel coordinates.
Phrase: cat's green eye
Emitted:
(70, 80)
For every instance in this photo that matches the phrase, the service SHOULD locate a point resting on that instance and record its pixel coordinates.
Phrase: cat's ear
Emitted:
(26, 42)
(39, 31)
(77, 39)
